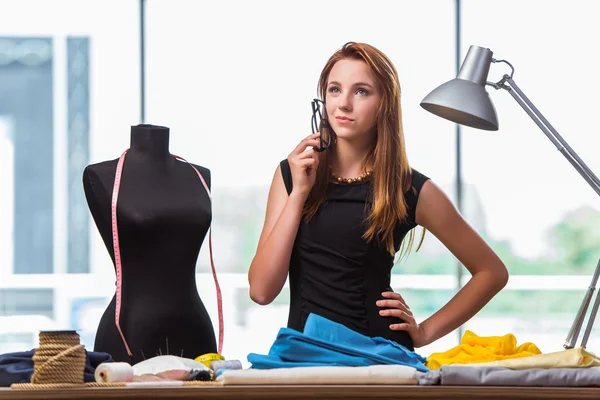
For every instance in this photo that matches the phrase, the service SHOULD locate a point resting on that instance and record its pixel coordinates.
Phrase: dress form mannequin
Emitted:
(163, 214)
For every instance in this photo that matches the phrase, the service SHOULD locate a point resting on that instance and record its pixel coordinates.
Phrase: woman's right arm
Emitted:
(269, 269)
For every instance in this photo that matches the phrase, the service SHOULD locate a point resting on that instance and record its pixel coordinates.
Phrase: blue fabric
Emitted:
(325, 342)
(18, 367)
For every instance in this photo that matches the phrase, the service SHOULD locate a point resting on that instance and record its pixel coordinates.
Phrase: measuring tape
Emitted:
(119, 265)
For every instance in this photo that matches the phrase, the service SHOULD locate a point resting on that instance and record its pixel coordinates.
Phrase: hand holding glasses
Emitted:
(318, 123)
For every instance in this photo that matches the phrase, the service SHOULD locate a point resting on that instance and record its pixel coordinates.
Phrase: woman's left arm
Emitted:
(437, 214)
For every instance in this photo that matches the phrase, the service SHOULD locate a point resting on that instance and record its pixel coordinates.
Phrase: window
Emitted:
(541, 215)
(69, 89)
(235, 89)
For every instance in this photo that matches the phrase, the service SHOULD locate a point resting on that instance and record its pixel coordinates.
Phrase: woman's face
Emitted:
(352, 99)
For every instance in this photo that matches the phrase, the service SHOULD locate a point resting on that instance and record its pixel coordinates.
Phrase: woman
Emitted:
(336, 219)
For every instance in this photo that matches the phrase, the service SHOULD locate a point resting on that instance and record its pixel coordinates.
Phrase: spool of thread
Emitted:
(225, 364)
(59, 358)
(202, 375)
(114, 372)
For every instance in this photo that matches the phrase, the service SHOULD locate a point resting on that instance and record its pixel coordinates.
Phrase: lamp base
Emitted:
(571, 340)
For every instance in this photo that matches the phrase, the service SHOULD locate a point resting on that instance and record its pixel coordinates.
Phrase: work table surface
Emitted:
(308, 392)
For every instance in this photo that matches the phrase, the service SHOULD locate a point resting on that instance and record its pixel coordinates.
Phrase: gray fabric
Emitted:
(496, 376)
(428, 378)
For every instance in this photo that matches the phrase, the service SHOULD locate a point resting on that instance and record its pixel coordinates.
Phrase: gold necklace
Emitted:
(360, 178)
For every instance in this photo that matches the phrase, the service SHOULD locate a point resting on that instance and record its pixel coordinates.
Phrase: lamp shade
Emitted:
(464, 99)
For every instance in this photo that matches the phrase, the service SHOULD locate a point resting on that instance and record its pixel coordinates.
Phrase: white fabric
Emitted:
(571, 358)
(159, 368)
(166, 367)
(375, 375)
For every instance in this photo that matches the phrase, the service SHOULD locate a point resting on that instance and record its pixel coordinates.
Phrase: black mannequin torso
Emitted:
(163, 214)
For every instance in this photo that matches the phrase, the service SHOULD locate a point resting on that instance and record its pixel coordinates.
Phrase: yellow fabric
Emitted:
(478, 349)
(571, 358)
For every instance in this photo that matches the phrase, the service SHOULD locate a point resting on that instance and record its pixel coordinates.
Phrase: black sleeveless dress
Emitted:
(334, 272)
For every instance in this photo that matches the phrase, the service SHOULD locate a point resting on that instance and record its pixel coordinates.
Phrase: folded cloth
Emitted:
(374, 375)
(18, 367)
(327, 343)
(571, 358)
(431, 377)
(464, 375)
(475, 349)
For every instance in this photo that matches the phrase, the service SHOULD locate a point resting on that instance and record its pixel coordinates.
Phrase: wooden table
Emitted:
(309, 392)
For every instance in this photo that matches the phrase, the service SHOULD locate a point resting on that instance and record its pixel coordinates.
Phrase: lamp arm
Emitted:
(508, 84)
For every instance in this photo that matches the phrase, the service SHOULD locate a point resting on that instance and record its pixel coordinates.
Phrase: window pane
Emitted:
(27, 302)
(235, 89)
(69, 90)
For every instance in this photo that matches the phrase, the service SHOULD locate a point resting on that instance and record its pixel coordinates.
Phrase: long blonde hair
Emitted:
(391, 170)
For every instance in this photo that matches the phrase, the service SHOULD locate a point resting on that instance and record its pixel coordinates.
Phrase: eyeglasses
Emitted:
(318, 123)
